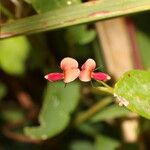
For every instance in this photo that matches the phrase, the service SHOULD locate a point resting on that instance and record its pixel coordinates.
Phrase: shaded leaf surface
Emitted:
(110, 112)
(59, 103)
(81, 145)
(103, 143)
(144, 40)
(3, 90)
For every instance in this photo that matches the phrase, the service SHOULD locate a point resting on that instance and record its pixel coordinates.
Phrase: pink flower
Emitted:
(87, 72)
(70, 71)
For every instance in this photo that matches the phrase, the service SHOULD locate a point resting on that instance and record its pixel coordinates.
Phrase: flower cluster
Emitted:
(71, 71)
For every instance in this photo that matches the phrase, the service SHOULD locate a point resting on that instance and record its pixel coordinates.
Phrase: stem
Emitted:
(84, 116)
(106, 87)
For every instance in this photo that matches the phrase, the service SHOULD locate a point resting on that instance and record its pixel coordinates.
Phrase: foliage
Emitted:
(56, 110)
(36, 114)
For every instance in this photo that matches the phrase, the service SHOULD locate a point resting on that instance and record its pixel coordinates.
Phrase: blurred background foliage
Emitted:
(35, 114)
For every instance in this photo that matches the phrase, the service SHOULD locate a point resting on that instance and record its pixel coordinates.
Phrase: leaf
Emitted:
(13, 114)
(81, 145)
(3, 90)
(13, 54)
(80, 34)
(59, 103)
(103, 143)
(143, 41)
(87, 129)
(73, 15)
(46, 5)
(77, 34)
(110, 112)
(133, 91)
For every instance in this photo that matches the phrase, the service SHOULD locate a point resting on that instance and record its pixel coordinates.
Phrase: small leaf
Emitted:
(13, 115)
(13, 54)
(59, 103)
(103, 143)
(81, 145)
(46, 5)
(80, 34)
(3, 90)
(133, 90)
(110, 112)
(143, 41)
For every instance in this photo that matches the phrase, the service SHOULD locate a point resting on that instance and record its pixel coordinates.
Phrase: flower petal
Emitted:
(100, 76)
(54, 76)
(68, 63)
(70, 75)
(89, 65)
(85, 75)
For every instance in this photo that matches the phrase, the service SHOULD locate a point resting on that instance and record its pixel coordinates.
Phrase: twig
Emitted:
(84, 116)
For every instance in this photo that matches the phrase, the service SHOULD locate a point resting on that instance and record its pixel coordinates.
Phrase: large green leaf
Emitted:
(110, 112)
(59, 103)
(133, 91)
(72, 15)
(13, 54)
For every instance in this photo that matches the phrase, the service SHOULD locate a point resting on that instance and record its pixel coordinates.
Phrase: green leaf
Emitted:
(59, 103)
(133, 91)
(106, 143)
(46, 5)
(13, 54)
(88, 129)
(110, 112)
(72, 15)
(143, 41)
(3, 90)
(81, 145)
(13, 115)
(80, 34)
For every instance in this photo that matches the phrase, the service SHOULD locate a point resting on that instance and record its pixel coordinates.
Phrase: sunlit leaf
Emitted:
(59, 103)
(133, 91)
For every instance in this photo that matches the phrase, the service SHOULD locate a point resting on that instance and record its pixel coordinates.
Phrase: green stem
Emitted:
(84, 116)
(106, 88)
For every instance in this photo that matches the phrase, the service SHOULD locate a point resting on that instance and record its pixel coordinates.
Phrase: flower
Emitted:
(87, 72)
(70, 71)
